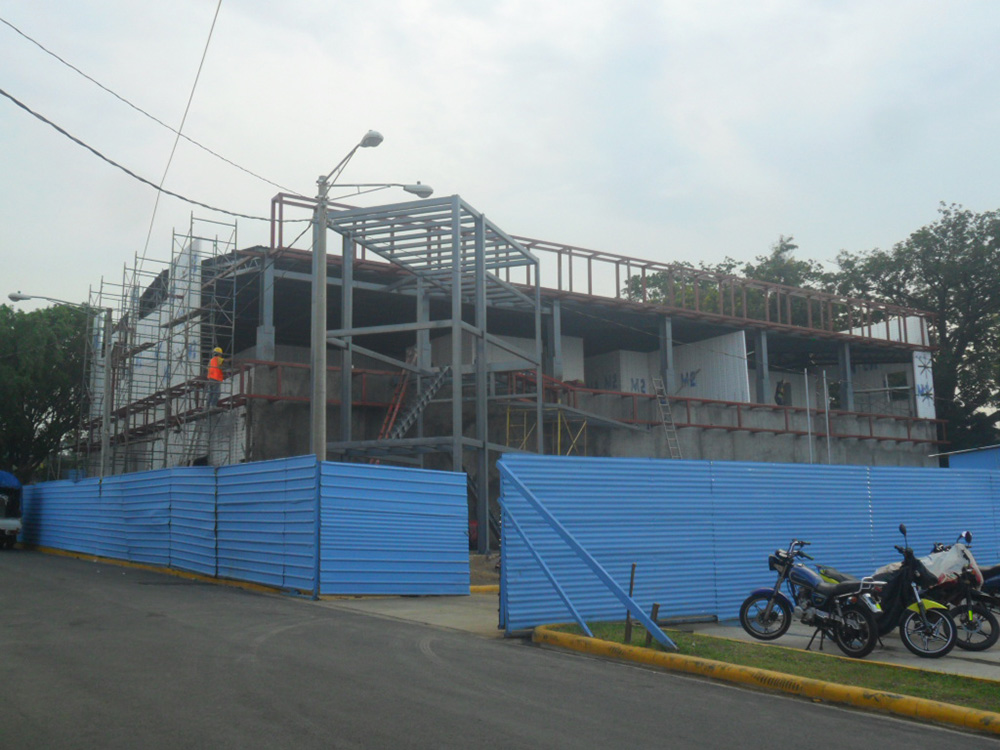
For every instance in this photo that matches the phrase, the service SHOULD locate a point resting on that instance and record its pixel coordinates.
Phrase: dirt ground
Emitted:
(482, 569)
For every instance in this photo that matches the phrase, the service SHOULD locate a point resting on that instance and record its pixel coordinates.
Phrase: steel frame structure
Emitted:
(706, 295)
(447, 250)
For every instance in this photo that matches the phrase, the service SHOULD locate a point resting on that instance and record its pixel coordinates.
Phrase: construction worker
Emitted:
(214, 377)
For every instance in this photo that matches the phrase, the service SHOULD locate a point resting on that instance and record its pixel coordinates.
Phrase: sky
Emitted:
(665, 130)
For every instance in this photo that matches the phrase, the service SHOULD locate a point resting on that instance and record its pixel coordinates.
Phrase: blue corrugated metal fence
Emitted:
(700, 531)
(382, 530)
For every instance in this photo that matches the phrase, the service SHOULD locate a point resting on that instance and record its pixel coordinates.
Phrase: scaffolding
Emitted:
(168, 317)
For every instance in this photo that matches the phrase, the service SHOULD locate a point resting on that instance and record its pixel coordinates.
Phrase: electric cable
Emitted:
(180, 129)
(128, 171)
(143, 112)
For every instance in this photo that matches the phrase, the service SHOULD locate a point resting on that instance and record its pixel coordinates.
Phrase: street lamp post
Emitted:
(317, 358)
(106, 362)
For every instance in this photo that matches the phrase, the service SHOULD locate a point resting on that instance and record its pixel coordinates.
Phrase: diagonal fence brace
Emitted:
(589, 559)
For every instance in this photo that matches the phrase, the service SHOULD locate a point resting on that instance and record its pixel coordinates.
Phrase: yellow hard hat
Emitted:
(217, 350)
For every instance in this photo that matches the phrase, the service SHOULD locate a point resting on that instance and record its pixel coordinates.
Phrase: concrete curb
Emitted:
(877, 700)
(247, 585)
(201, 577)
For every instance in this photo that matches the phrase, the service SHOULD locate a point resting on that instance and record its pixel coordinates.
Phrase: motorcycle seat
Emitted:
(836, 574)
(838, 589)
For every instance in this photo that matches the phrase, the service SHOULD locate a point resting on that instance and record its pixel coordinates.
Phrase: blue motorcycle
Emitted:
(844, 612)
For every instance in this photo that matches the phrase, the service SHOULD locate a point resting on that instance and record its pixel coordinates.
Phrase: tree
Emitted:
(41, 383)
(678, 287)
(949, 268)
(781, 267)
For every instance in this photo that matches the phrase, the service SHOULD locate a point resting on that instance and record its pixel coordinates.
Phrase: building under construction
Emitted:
(451, 342)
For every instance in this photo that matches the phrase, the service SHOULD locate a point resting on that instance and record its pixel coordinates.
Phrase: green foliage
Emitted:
(949, 268)
(707, 289)
(41, 383)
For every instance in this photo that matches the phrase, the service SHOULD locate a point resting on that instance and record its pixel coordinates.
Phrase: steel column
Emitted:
(456, 335)
(667, 371)
(347, 322)
(846, 377)
(482, 468)
(762, 366)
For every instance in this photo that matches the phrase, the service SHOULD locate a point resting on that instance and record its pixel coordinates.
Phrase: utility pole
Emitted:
(317, 359)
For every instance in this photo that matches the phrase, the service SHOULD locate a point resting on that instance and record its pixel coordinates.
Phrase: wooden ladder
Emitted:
(667, 418)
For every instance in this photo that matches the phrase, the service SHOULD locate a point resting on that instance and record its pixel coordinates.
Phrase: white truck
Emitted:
(10, 509)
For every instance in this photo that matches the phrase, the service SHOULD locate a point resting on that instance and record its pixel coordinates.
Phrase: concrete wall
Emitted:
(572, 353)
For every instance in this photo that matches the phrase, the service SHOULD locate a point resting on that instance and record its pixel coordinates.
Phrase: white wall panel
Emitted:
(715, 368)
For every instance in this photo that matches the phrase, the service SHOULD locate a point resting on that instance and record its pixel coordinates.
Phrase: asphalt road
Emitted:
(97, 656)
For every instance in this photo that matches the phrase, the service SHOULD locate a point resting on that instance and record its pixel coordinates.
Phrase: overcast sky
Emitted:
(664, 130)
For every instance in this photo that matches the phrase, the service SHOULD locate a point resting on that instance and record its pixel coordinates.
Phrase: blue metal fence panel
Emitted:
(760, 507)
(983, 458)
(145, 512)
(701, 526)
(936, 505)
(657, 514)
(63, 515)
(266, 515)
(391, 530)
(192, 519)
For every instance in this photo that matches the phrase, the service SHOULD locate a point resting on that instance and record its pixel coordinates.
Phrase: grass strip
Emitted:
(959, 690)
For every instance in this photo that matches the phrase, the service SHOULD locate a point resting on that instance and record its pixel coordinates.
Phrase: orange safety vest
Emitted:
(215, 368)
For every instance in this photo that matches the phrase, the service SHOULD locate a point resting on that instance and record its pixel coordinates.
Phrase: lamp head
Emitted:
(419, 189)
(371, 140)
(18, 297)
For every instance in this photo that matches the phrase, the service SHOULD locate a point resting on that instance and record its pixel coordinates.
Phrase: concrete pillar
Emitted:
(846, 376)
(265, 331)
(763, 380)
(666, 334)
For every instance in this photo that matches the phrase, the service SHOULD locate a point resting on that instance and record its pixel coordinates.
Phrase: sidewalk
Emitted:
(478, 614)
(984, 664)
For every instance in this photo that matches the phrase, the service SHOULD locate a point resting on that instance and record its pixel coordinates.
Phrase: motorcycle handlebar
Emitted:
(807, 557)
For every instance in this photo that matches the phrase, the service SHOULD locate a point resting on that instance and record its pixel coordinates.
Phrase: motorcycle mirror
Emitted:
(967, 536)
(902, 529)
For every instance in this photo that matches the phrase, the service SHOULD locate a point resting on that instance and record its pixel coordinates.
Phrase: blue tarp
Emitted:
(9, 481)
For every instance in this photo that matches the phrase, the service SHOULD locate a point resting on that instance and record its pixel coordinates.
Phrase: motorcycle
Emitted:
(960, 585)
(925, 626)
(952, 578)
(844, 612)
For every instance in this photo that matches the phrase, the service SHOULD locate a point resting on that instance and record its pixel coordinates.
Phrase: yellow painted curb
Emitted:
(486, 588)
(902, 705)
(245, 585)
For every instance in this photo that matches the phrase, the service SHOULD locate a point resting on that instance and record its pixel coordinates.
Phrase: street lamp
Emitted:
(317, 358)
(105, 358)
(418, 188)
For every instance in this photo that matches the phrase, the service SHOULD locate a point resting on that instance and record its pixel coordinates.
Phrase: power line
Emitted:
(187, 108)
(126, 170)
(143, 112)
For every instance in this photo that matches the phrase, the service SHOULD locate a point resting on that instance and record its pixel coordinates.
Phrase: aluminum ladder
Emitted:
(667, 418)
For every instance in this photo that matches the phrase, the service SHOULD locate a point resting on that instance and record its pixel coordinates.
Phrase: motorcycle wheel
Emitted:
(932, 641)
(858, 634)
(976, 627)
(765, 629)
